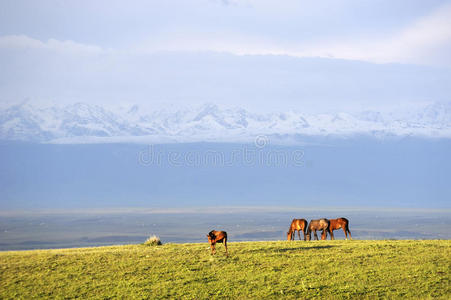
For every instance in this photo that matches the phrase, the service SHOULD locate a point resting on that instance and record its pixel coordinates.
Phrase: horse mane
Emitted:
(289, 228)
(212, 235)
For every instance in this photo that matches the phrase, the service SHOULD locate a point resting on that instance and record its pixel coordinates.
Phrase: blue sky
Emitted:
(258, 54)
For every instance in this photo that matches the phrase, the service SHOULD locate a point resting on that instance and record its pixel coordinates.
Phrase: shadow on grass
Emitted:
(275, 249)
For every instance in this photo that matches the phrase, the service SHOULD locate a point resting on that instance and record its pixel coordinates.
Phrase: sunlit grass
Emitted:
(319, 269)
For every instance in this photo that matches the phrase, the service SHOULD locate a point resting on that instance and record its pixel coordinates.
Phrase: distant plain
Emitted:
(40, 230)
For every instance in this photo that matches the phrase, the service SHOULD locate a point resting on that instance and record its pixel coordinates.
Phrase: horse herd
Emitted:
(323, 225)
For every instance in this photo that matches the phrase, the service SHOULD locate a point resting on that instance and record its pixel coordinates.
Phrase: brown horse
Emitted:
(314, 225)
(296, 224)
(217, 237)
(337, 224)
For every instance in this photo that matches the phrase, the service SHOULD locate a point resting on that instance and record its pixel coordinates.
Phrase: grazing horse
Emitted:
(314, 225)
(337, 224)
(217, 237)
(296, 224)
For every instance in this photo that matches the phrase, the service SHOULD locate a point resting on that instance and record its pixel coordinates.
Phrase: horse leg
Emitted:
(331, 232)
(316, 236)
(299, 234)
(225, 245)
(303, 232)
(213, 250)
(344, 230)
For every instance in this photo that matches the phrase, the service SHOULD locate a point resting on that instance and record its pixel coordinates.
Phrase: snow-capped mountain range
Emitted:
(86, 123)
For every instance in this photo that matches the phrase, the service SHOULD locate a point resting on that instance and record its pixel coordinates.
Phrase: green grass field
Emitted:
(318, 269)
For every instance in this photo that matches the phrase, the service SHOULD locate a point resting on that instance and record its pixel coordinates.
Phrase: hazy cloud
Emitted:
(425, 41)
(17, 42)
(259, 54)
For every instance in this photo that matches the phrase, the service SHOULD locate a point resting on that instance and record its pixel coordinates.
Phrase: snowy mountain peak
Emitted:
(81, 122)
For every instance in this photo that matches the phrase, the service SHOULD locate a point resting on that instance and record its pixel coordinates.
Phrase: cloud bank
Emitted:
(262, 55)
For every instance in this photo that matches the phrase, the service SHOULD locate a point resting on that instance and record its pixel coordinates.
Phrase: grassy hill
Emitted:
(319, 269)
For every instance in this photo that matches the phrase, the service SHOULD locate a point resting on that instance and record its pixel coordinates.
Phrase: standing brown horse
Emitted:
(217, 237)
(296, 224)
(314, 225)
(337, 224)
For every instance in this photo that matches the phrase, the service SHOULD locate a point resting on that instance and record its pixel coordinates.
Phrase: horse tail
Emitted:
(308, 233)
